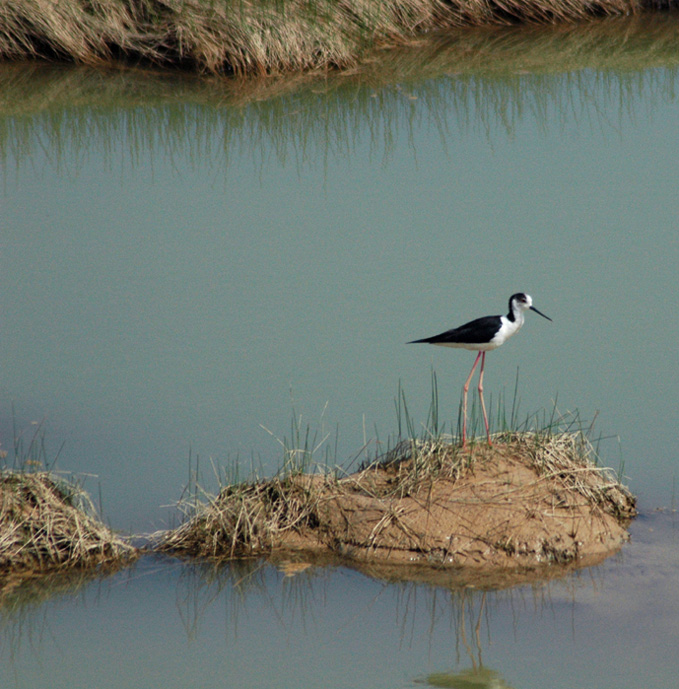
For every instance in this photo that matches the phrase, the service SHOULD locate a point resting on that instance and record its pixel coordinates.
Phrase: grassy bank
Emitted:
(264, 36)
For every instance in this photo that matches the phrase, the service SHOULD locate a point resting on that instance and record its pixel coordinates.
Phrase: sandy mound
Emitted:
(529, 500)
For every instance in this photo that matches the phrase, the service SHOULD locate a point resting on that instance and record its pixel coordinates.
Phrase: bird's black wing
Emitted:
(474, 332)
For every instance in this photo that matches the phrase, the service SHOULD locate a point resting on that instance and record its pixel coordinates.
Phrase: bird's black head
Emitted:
(523, 302)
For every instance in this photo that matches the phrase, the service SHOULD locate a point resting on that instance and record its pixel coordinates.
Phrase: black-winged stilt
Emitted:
(483, 335)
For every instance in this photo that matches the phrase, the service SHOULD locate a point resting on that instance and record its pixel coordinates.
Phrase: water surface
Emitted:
(186, 264)
(178, 275)
(250, 626)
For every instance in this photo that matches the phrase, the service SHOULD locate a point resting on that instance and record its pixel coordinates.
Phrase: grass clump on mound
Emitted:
(258, 36)
(251, 518)
(532, 498)
(47, 523)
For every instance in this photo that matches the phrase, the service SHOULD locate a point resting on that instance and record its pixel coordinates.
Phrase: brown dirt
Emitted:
(521, 504)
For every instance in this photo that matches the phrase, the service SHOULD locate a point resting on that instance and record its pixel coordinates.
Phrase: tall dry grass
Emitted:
(264, 36)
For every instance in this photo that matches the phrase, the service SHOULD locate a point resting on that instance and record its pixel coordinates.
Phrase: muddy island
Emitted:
(531, 501)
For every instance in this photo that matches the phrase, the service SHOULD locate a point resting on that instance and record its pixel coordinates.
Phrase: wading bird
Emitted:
(483, 335)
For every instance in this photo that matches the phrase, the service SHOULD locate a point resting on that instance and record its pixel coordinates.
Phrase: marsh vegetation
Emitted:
(261, 36)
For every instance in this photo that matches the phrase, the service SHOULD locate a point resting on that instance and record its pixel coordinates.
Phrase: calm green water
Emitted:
(164, 624)
(185, 265)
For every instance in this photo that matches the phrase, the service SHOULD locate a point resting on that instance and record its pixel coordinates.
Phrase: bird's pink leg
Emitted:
(464, 399)
(483, 405)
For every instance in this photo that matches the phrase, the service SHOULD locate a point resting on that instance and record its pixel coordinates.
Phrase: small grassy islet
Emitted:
(536, 497)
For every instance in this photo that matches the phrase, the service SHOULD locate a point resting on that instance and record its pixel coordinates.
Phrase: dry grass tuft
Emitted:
(533, 498)
(567, 461)
(47, 523)
(248, 518)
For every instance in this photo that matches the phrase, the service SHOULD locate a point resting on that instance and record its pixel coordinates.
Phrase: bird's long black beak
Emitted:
(532, 308)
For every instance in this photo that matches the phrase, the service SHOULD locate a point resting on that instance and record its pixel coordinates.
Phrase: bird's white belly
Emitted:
(475, 347)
